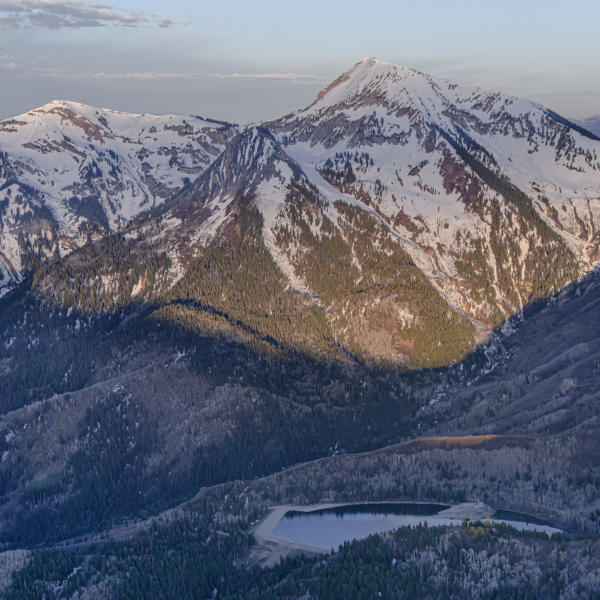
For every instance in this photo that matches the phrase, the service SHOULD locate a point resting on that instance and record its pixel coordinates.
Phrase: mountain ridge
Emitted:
(318, 317)
(402, 128)
(385, 160)
(79, 172)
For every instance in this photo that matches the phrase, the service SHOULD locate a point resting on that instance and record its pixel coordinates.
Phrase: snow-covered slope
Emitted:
(67, 169)
(410, 213)
(433, 158)
(253, 166)
(399, 204)
(306, 241)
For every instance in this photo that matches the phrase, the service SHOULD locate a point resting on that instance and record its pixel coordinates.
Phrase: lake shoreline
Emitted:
(269, 549)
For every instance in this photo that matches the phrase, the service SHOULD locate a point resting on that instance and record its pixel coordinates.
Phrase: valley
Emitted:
(387, 296)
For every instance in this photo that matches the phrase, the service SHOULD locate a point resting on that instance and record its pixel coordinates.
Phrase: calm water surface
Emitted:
(330, 528)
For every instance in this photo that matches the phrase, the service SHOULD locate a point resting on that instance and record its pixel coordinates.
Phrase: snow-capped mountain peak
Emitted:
(391, 179)
(356, 86)
(67, 167)
(445, 164)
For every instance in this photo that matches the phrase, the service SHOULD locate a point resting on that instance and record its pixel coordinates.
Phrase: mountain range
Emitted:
(390, 294)
(393, 199)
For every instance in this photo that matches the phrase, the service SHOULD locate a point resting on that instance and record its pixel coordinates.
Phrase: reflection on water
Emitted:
(394, 508)
(329, 528)
(527, 526)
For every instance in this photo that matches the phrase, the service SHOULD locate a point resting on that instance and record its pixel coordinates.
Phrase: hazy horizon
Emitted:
(267, 60)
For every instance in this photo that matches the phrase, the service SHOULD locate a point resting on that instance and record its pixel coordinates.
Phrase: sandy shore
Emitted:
(468, 510)
(269, 549)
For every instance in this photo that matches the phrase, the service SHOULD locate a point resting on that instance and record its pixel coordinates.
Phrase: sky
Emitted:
(252, 61)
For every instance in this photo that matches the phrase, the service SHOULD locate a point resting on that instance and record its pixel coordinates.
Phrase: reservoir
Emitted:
(329, 528)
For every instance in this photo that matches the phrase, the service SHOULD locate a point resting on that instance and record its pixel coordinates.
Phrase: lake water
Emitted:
(329, 528)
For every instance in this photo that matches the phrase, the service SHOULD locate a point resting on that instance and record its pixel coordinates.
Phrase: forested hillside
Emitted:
(387, 295)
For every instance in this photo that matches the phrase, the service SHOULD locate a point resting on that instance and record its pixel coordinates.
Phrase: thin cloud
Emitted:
(151, 75)
(74, 14)
(7, 62)
(289, 76)
(61, 73)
